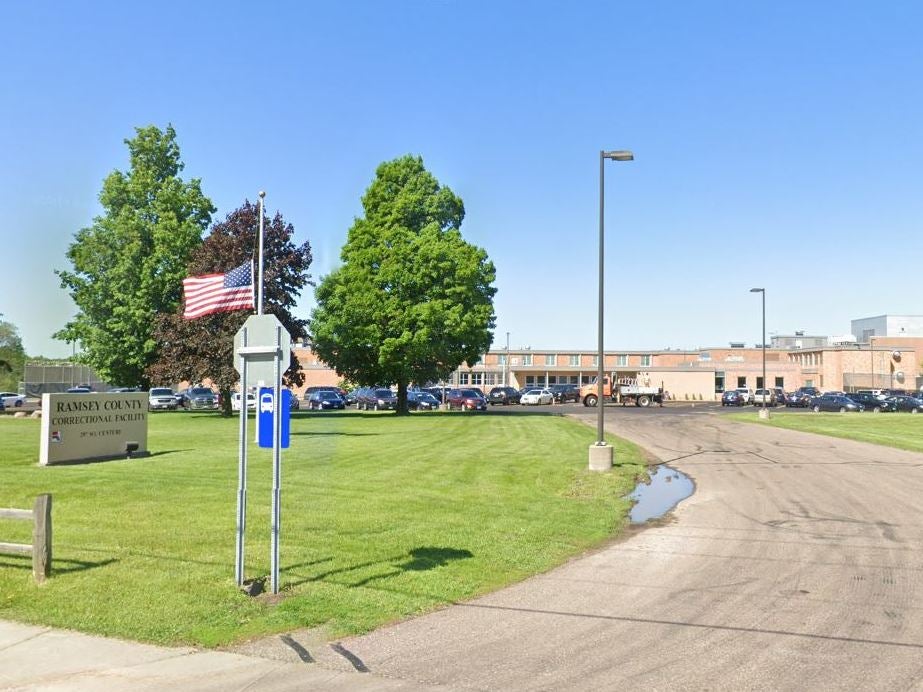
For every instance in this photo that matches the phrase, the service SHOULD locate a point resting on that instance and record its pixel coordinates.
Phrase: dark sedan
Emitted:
(324, 400)
(378, 399)
(834, 402)
(504, 395)
(732, 398)
(798, 400)
(872, 402)
(904, 402)
(421, 401)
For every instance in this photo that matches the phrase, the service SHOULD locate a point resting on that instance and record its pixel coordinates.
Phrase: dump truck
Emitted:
(627, 391)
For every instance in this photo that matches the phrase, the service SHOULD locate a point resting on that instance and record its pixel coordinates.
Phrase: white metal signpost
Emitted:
(261, 352)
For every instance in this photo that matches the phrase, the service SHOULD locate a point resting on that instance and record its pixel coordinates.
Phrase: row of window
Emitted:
(572, 360)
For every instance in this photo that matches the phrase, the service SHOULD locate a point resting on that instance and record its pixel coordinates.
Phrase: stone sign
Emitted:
(92, 426)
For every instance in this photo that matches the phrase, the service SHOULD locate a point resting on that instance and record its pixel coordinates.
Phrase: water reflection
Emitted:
(666, 489)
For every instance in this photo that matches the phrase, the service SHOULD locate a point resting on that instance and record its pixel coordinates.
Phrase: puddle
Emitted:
(666, 489)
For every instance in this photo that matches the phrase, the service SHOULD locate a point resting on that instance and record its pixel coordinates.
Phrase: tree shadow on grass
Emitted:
(420, 559)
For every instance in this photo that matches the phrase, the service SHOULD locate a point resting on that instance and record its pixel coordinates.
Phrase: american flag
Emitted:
(219, 292)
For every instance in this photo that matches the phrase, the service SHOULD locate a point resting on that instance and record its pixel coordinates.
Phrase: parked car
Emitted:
(235, 401)
(781, 396)
(732, 398)
(834, 402)
(537, 397)
(801, 397)
(904, 402)
(324, 399)
(322, 388)
(763, 395)
(376, 399)
(199, 398)
(161, 399)
(466, 400)
(79, 389)
(563, 393)
(745, 393)
(121, 390)
(871, 402)
(504, 396)
(421, 401)
(12, 400)
(350, 398)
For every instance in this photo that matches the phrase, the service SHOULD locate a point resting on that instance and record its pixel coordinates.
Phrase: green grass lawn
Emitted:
(901, 430)
(382, 517)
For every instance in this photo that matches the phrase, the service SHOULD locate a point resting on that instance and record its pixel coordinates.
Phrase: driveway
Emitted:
(796, 565)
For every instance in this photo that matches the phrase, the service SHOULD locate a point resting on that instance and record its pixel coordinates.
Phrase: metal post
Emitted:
(765, 383)
(763, 412)
(242, 471)
(276, 460)
(259, 307)
(506, 363)
(600, 420)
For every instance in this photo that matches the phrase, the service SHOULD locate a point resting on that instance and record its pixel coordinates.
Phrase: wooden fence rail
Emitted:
(40, 550)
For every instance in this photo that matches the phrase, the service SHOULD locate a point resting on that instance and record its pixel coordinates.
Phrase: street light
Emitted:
(600, 452)
(763, 412)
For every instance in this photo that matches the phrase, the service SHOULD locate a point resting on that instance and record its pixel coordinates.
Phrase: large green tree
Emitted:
(412, 300)
(12, 356)
(129, 265)
(201, 348)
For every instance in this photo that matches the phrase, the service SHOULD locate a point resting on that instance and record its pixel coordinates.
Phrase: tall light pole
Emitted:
(763, 412)
(600, 452)
(506, 361)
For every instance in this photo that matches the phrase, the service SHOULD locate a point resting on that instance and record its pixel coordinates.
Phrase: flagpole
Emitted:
(259, 304)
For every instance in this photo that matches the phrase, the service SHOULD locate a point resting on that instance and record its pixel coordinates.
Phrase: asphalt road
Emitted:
(795, 565)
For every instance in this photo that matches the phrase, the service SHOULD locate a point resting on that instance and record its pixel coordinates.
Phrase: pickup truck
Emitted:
(626, 391)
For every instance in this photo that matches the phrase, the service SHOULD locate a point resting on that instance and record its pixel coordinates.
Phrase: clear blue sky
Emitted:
(777, 144)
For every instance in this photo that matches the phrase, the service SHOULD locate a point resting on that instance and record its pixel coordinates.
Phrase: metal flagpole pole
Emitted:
(259, 305)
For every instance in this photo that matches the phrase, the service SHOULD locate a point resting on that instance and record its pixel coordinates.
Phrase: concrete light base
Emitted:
(600, 457)
(764, 413)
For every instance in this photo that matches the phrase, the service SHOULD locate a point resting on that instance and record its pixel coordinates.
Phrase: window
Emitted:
(620, 361)
(477, 378)
(574, 360)
(645, 361)
(462, 378)
(759, 382)
(719, 382)
(491, 378)
(551, 359)
(704, 355)
(527, 359)
(596, 361)
(780, 382)
(530, 380)
(741, 381)
(501, 359)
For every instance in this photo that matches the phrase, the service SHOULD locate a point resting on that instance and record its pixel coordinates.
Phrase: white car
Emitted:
(534, 397)
(235, 401)
(11, 399)
(746, 394)
(161, 399)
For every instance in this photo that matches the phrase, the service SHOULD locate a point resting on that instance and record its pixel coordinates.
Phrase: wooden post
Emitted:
(41, 538)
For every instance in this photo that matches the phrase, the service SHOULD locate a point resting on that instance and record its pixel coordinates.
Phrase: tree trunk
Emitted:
(401, 397)
(225, 394)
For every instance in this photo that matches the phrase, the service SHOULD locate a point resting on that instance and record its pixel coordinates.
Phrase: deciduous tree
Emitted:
(12, 356)
(129, 265)
(412, 299)
(201, 348)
